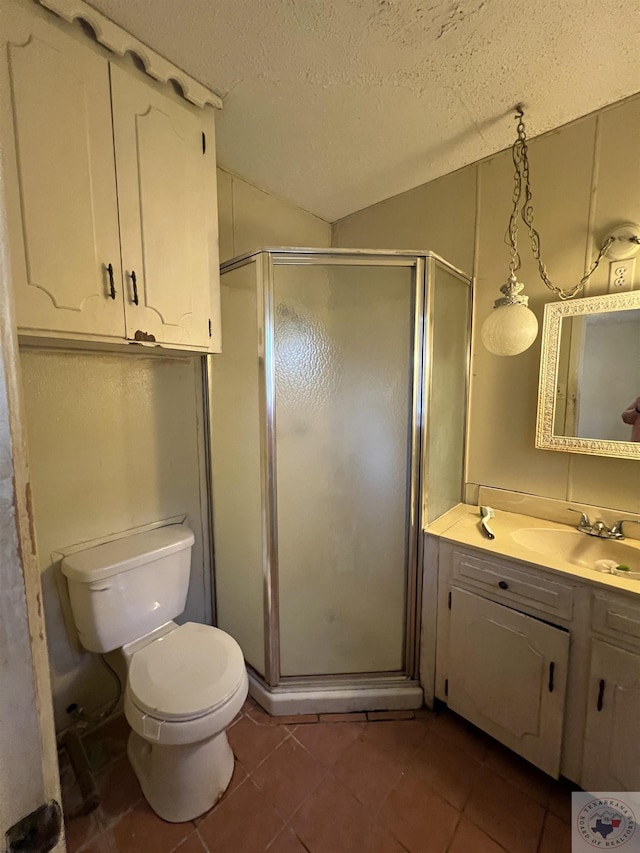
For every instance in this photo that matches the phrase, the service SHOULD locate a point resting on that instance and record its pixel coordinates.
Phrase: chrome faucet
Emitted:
(598, 528)
(584, 525)
(617, 532)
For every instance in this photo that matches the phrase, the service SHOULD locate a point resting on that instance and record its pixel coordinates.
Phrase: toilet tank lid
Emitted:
(122, 555)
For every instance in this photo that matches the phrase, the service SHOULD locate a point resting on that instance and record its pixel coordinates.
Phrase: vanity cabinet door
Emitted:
(61, 184)
(166, 194)
(611, 759)
(507, 674)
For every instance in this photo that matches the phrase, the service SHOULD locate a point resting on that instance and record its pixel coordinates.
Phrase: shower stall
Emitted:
(337, 423)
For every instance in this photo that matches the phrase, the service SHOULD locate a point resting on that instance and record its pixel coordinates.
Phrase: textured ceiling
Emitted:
(337, 104)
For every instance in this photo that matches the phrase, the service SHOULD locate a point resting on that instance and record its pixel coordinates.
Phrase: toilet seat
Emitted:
(186, 674)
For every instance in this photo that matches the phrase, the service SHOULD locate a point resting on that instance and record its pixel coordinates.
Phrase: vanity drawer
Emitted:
(513, 585)
(616, 617)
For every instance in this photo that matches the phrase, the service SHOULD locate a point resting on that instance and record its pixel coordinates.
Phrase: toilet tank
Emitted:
(124, 589)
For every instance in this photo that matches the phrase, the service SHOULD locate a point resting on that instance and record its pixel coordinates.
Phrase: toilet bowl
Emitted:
(185, 683)
(183, 690)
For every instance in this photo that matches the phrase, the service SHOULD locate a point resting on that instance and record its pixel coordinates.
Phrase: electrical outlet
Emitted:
(621, 275)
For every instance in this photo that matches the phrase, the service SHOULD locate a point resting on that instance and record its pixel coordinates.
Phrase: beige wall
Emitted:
(585, 179)
(249, 219)
(115, 443)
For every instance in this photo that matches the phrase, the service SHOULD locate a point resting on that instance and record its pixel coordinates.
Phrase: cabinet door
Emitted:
(164, 185)
(507, 675)
(62, 190)
(612, 740)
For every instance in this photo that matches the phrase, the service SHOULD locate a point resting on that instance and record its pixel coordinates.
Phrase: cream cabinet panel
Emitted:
(612, 740)
(166, 193)
(507, 675)
(62, 193)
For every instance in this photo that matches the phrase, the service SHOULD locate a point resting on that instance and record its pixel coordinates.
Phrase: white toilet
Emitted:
(185, 683)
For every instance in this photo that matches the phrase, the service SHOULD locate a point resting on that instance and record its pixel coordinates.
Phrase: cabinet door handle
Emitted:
(134, 281)
(503, 585)
(600, 695)
(552, 669)
(112, 289)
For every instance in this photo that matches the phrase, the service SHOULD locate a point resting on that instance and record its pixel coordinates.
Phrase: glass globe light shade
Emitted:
(509, 329)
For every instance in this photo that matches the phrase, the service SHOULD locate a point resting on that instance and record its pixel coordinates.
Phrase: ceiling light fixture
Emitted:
(512, 326)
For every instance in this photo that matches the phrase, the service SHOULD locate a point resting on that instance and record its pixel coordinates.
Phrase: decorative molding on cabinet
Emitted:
(117, 40)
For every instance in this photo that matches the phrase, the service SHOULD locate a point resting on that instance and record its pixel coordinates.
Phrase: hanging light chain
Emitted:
(520, 154)
(512, 231)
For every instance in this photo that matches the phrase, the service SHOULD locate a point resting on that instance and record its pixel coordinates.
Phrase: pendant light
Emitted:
(512, 326)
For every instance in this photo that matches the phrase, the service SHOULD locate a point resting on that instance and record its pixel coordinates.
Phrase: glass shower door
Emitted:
(236, 460)
(343, 384)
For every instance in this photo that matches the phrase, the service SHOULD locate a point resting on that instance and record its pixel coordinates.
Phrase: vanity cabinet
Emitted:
(545, 663)
(111, 195)
(612, 734)
(507, 675)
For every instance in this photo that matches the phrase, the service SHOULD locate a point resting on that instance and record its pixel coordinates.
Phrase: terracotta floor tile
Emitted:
(287, 776)
(521, 773)
(390, 715)
(193, 844)
(286, 842)
(80, 830)
(510, 817)
(260, 716)
(424, 713)
(295, 719)
(421, 820)
(560, 798)
(118, 789)
(446, 768)
(251, 742)
(345, 787)
(239, 775)
(556, 835)
(245, 822)
(142, 831)
(103, 843)
(400, 738)
(470, 839)
(327, 741)
(107, 742)
(331, 820)
(357, 717)
(368, 772)
(452, 727)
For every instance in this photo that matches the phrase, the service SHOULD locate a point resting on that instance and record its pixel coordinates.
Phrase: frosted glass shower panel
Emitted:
(236, 466)
(448, 342)
(343, 346)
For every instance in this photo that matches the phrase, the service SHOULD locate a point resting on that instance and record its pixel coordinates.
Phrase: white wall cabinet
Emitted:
(165, 165)
(63, 205)
(507, 675)
(546, 664)
(111, 196)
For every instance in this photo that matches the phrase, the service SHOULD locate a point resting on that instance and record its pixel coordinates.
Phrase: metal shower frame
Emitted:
(424, 265)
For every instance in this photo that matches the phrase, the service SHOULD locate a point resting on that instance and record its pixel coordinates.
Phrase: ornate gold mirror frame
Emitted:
(551, 380)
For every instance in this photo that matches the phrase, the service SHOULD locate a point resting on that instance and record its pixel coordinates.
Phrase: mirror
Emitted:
(590, 376)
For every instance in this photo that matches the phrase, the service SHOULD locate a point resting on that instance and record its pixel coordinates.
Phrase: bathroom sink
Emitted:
(578, 548)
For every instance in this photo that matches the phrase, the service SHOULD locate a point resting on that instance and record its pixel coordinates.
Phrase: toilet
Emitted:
(185, 683)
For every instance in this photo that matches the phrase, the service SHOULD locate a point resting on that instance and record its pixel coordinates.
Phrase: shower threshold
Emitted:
(336, 696)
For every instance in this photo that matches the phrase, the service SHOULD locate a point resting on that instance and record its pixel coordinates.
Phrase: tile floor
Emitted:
(356, 783)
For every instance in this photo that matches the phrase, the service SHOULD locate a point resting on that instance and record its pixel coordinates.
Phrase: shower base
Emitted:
(336, 696)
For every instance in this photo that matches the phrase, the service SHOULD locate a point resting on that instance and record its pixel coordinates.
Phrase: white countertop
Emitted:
(461, 525)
